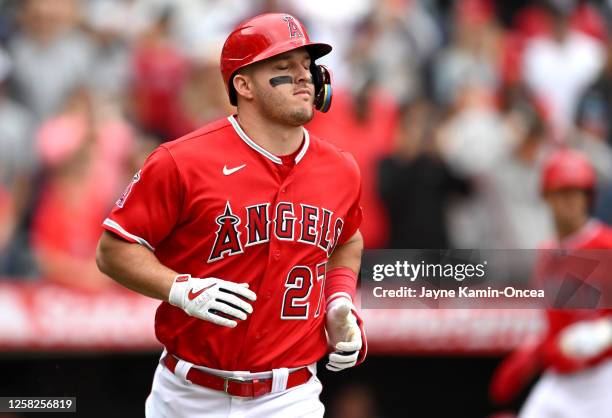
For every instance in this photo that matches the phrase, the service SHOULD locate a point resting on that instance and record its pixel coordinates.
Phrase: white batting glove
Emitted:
(212, 299)
(586, 339)
(343, 333)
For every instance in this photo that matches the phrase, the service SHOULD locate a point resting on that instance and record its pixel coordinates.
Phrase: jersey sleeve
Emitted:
(354, 215)
(150, 206)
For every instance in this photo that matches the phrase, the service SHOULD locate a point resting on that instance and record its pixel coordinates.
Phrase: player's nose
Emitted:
(303, 75)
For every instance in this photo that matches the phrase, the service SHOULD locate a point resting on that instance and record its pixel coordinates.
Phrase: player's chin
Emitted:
(302, 115)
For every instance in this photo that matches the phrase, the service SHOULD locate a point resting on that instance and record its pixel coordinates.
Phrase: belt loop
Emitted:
(181, 370)
(279, 379)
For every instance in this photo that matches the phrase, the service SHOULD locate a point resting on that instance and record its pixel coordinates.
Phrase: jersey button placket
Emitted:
(285, 184)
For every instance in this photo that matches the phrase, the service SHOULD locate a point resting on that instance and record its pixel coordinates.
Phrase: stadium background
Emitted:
(448, 106)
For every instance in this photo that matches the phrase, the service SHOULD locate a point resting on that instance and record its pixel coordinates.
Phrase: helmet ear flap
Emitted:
(321, 79)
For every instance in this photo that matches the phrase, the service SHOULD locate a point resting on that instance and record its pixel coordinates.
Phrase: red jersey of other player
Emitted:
(576, 338)
(567, 184)
(247, 230)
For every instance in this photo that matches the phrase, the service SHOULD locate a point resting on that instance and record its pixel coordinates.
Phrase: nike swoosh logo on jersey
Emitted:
(192, 295)
(228, 171)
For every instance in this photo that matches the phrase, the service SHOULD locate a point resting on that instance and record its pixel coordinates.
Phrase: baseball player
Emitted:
(247, 230)
(576, 351)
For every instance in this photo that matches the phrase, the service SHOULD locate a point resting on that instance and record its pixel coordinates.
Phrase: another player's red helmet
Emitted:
(568, 168)
(265, 36)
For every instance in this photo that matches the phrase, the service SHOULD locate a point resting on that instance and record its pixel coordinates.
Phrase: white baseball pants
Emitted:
(586, 394)
(172, 396)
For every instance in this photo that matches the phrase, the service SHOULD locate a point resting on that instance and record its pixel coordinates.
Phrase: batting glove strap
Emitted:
(210, 299)
(363, 352)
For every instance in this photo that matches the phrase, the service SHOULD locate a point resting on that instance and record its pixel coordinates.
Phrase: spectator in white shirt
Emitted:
(559, 67)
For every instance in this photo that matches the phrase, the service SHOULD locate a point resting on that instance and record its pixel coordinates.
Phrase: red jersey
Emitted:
(215, 204)
(594, 235)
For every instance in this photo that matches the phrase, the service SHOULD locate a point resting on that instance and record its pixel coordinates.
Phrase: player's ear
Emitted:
(243, 84)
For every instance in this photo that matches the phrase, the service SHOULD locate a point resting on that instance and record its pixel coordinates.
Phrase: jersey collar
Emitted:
(262, 150)
(582, 236)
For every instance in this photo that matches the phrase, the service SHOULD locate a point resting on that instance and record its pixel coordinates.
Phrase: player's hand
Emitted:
(212, 299)
(343, 333)
(586, 339)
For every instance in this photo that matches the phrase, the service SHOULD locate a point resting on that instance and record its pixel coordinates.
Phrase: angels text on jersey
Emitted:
(287, 221)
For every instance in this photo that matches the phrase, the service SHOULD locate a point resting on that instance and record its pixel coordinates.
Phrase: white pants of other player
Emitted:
(172, 396)
(586, 394)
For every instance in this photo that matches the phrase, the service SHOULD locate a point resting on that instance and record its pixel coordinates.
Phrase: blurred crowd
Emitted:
(449, 107)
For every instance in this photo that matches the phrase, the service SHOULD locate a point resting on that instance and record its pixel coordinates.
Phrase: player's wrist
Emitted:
(338, 300)
(180, 286)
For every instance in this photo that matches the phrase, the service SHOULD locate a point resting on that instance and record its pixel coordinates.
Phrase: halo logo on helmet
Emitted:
(266, 36)
(293, 28)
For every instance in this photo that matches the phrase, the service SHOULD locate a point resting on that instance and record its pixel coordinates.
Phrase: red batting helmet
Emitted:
(567, 168)
(265, 36)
